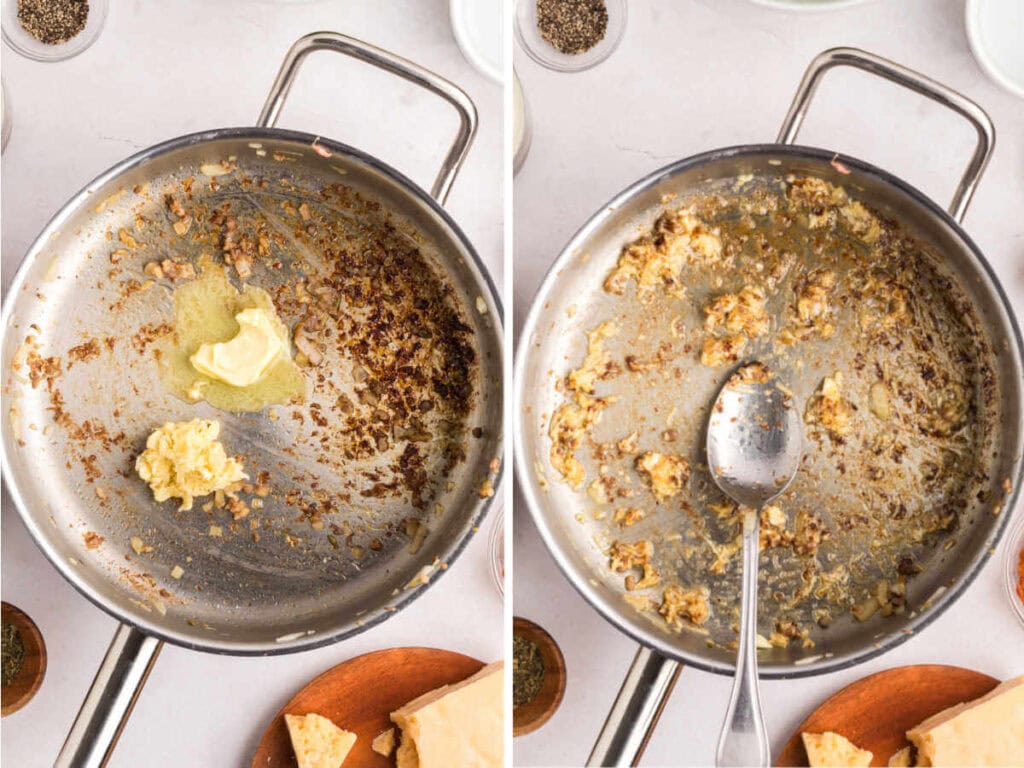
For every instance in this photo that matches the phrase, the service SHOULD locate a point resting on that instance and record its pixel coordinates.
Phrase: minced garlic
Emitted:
(184, 460)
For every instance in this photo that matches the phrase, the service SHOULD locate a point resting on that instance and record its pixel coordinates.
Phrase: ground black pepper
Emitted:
(572, 26)
(13, 654)
(527, 671)
(53, 21)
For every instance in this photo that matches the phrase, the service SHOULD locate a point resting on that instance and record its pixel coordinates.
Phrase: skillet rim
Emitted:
(580, 582)
(205, 642)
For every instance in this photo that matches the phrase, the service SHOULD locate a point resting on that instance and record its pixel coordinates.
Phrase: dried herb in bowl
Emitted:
(53, 22)
(13, 653)
(527, 671)
(572, 26)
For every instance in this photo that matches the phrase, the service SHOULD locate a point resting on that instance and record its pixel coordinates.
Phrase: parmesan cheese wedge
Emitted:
(986, 731)
(900, 759)
(455, 725)
(830, 750)
(318, 743)
(384, 742)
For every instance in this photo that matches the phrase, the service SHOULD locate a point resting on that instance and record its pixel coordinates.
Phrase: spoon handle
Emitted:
(744, 739)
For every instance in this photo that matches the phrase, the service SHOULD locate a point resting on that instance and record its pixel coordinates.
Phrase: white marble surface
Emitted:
(164, 69)
(693, 75)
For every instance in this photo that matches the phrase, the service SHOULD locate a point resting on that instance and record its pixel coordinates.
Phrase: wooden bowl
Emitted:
(876, 711)
(360, 694)
(24, 686)
(531, 716)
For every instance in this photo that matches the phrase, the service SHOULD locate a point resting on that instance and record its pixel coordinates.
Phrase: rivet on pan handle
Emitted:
(333, 41)
(110, 700)
(876, 65)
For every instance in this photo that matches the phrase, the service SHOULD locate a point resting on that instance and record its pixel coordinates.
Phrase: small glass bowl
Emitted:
(496, 545)
(6, 119)
(21, 41)
(521, 128)
(1014, 545)
(541, 51)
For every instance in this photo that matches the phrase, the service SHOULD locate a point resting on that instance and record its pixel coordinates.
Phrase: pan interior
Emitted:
(687, 535)
(354, 475)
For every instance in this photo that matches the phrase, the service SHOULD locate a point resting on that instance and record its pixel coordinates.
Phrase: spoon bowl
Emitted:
(754, 440)
(754, 448)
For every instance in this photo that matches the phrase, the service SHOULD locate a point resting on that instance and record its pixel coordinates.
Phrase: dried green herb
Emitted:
(13, 653)
(53, 21)
(527, 670)
(572, 26)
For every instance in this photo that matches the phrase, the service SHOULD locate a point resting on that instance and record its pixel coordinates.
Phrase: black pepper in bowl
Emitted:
(572, 26)
(53, 21)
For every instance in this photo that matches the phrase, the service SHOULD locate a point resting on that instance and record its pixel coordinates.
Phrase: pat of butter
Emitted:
(245, 359)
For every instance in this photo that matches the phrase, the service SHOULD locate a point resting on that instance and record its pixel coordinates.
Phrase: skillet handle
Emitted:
(110, 700)
(631, 721)
(947, 97)
(378, 57)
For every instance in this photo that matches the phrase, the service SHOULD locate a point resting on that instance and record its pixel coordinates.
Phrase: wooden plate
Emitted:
(24, 686)
(360, 694)
(876, 711)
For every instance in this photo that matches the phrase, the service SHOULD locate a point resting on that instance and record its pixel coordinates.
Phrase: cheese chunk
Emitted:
(318, 743)
(184, 460)
(987, 731)
(244, 359)
(384, 742)
(830, 750)
(900, 759)
(455, 725)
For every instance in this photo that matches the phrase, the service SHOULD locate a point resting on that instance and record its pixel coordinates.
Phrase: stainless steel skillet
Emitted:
(334, 548)
(571, 302)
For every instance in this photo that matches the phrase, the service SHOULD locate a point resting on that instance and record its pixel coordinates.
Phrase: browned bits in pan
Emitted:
(882, 352)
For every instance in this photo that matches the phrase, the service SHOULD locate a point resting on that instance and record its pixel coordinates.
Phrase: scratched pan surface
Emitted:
(978, 468)
(331, 550)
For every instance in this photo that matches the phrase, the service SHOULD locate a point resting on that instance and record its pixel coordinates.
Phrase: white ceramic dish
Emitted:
(476, 25)
(809, 5)
(995, 31)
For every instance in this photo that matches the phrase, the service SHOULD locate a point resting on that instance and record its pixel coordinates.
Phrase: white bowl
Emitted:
(809, 5)
(995, 31)
(477, 26)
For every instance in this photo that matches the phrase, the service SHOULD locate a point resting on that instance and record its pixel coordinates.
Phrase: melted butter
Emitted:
(245, 359)
(204, 313)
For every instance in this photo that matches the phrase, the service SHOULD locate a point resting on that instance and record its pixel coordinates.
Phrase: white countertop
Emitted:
(693, 75)
(160, 70)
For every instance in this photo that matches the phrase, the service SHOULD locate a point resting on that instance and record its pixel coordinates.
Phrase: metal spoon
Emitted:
(754, 448)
